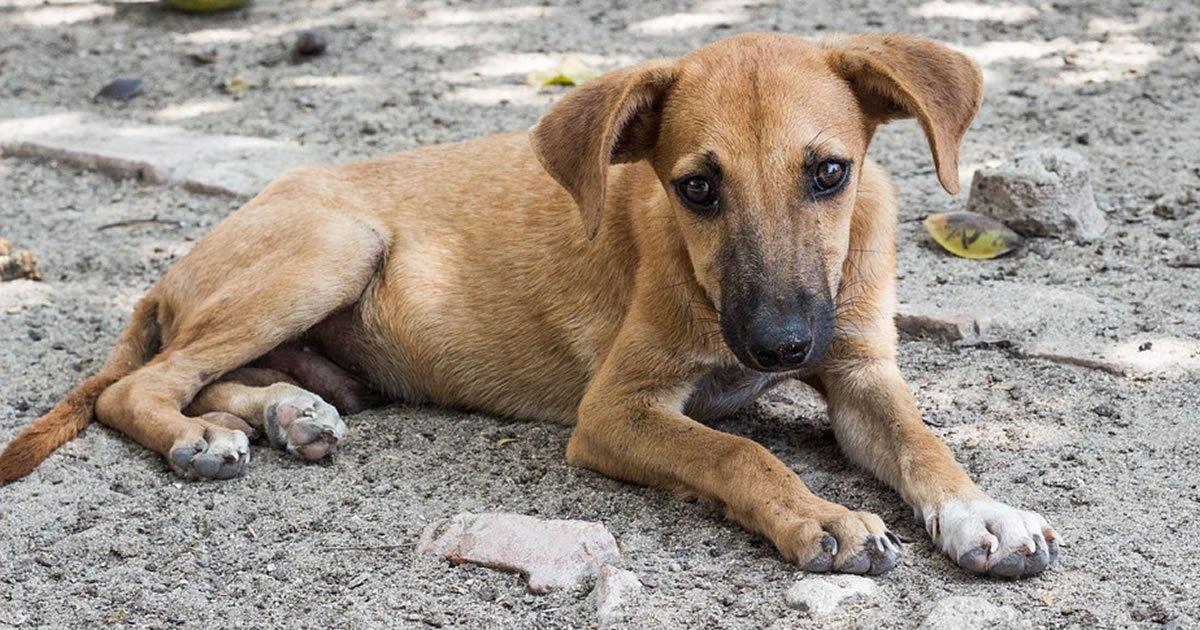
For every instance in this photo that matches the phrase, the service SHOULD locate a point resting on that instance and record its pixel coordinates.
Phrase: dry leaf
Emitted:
(569, 72)
(238, 84)
(971, 235)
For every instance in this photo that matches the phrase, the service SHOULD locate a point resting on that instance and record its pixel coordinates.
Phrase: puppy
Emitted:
(667, 243)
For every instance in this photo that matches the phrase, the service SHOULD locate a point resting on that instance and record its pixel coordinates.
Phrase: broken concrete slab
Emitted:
(822, 595)
(614, 594)
(923, 321)
(230, 165)
(551, 554)
(1065, 326)
(1045, 192)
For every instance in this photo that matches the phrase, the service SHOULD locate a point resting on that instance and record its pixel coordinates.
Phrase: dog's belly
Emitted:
(726, 390)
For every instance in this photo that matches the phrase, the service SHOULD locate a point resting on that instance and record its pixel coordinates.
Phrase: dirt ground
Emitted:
(103, 533)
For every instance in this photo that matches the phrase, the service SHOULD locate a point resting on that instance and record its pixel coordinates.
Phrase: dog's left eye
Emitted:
(828, 177)
(699, 193)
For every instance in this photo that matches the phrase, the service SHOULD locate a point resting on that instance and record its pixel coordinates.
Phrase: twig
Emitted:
(364, 547)
(154, 220)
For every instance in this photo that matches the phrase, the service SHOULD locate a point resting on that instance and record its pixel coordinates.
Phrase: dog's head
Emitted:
(759, 142)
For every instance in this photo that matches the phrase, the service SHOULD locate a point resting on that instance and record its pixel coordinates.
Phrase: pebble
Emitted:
(614, 594)
(820, 596)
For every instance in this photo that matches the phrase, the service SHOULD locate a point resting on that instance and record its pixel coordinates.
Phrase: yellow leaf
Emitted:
(205, 6)
(971, 235)
(503, 441)
(238, 84)
(568, 72)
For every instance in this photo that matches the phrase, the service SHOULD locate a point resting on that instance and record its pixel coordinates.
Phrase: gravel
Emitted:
(104, 534)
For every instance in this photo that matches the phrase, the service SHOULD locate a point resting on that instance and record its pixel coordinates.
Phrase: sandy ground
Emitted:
(103, 533)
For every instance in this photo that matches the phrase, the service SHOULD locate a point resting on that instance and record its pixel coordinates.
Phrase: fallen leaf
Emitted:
(971, 235)
(503, 441)
(238, 84)
(205, 6)
(568, 72)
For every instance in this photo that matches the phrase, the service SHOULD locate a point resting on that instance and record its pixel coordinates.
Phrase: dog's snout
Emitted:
(783, 353)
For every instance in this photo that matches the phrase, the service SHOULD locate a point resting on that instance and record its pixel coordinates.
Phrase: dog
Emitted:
(669, 241)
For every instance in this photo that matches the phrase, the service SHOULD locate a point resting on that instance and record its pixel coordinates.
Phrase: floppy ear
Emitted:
(608, 120)
(901, 76)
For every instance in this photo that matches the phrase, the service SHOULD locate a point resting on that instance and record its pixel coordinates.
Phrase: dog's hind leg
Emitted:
(269, 402)
(263, 276)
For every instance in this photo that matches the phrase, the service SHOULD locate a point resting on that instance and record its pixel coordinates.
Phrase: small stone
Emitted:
(614, 594)
(819, 596)
(970, 613)
(121, 89)
(551, 554)
(1046, 192)
(309, 44)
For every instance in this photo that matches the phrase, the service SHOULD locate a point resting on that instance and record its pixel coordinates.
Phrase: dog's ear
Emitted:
(608, 120)
(901, 76)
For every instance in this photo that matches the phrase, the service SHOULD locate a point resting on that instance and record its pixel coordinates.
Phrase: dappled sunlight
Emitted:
(39, 124)
(989, 53)
(1105, 26)
(521, 64)
(193, 109)
(500, 95)
(975, 11)
(329, 81)
(680, 22)
(19, 294)
(262, 33)
(509, 15)
(1160, 356)
(448, 38)
(1023, 434)
(52, 16)
(1116, 59)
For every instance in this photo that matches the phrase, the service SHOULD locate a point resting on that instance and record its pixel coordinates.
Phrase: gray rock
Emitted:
(1046, 192)
(970, 613)
(614, 594)
(229, 165)
(551, 554)
(819, 596)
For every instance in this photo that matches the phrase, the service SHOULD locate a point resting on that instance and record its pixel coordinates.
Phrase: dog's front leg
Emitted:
(877, 424)
(631, 427)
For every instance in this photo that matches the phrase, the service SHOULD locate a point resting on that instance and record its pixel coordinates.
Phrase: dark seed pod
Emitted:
(309, 44)
(121, 89)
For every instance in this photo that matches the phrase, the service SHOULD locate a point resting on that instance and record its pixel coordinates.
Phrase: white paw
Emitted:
(986, 536)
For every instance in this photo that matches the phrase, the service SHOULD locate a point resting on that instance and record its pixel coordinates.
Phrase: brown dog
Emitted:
(742, 238)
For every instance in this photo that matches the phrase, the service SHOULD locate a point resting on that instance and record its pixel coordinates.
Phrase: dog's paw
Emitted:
(304, 425)
(218, 453)
(988, 537)
(852, 542)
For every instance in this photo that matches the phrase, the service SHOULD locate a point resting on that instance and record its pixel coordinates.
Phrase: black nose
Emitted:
(790, 353)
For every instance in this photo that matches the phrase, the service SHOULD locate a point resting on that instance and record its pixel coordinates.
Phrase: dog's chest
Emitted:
(725, 390)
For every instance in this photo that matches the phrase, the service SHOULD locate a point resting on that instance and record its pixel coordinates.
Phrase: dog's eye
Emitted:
(828, 176)
(698, 192)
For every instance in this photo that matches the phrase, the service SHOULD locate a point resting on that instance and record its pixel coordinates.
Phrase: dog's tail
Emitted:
(136, 344)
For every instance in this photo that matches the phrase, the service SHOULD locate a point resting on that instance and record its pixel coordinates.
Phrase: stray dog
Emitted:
(669, 241)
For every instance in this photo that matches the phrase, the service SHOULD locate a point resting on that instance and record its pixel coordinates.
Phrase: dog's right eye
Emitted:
(699, 193)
